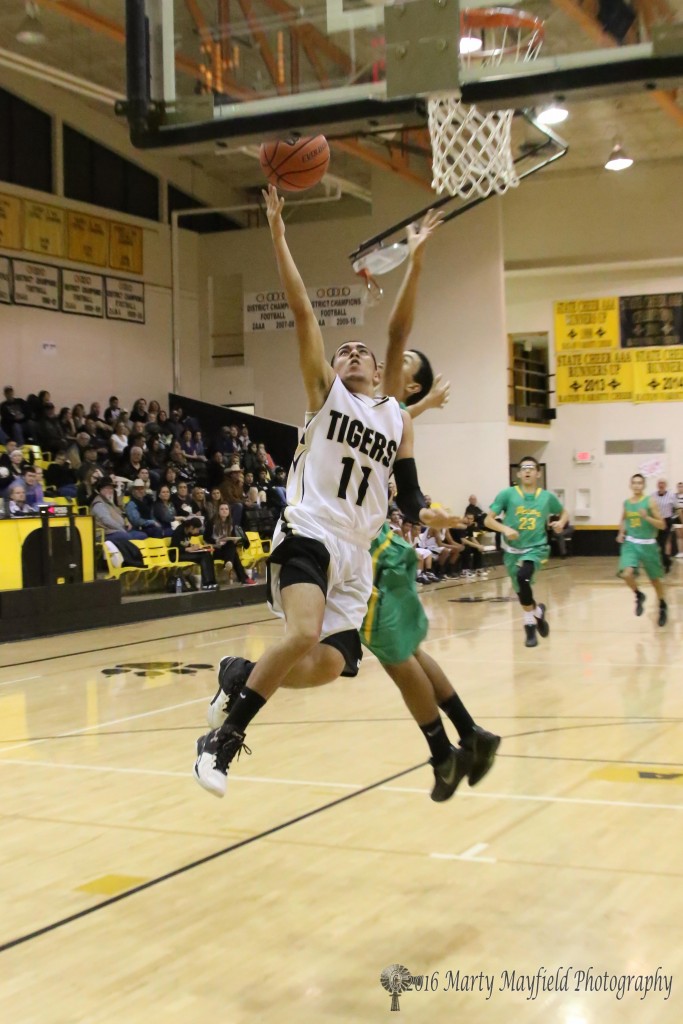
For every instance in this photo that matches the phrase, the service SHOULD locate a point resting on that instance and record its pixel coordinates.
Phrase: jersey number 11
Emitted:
(348, 464)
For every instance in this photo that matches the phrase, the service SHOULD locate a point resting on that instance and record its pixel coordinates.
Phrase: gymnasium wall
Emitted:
(622, 236)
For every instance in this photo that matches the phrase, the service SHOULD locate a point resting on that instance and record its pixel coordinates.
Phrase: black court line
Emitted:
(62, 922)
(132, 643)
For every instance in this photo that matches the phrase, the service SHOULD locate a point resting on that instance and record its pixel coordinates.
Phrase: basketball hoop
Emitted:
(471, 152)
(378, 261)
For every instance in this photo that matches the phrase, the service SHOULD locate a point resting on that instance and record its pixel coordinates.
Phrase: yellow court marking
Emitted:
(111, 885)
(639, 773)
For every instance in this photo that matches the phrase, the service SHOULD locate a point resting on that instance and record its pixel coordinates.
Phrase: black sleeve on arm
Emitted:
(409, 497)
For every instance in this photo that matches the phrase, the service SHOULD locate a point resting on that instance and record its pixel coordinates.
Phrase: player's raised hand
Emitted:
(439, 393)
(419, 234)
(440, 519)
(274, 204)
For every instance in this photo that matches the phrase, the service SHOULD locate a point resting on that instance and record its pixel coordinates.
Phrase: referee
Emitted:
(666, 503)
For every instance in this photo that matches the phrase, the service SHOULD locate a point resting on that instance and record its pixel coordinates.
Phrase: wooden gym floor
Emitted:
(131, 896)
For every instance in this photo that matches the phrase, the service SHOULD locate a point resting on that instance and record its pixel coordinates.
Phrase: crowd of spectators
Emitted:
(142, 473)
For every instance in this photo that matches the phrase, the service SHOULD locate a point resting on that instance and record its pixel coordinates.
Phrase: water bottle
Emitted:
(178, 585)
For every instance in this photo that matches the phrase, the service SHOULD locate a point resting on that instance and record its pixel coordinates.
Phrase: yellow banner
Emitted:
(586, 324)
(658, 374)
(10, 222)
(44, 229)
(125, 247)
(594, 376)
(88, 238)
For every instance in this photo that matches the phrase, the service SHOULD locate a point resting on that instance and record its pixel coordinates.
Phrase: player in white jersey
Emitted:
(320, 570)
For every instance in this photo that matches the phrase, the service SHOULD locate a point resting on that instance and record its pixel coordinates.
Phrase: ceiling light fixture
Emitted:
(618, 160)
(31, 29)
(553, 113)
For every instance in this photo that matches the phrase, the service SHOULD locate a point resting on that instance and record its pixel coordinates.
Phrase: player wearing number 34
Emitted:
(320, 569)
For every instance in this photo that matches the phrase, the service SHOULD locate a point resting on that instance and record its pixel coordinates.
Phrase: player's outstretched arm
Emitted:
(402, 315)
(317, 373)
(622, 526)
(409, 496)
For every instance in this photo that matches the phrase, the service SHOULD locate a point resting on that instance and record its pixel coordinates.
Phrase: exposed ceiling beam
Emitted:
(261, 39)
(355, 149)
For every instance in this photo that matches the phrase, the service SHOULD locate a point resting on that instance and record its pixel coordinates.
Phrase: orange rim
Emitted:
(501, 17)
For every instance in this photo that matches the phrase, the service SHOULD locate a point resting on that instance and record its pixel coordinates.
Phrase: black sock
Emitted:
(246, 707)
(438, 741)
(459, 715)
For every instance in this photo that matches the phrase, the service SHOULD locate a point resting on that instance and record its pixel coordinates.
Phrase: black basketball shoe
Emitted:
(481, 746)
(449, 774)
(215, 751)
(640, 601)
(663, 613)
(531, 638)
(542, 624)
(232, 675)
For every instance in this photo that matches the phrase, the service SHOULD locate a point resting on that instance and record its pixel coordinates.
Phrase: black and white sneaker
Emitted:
(232, 675)
(481, 746)
(449, 774)
(215, 751)
(542, 625)
(531, 638)
(640, 601)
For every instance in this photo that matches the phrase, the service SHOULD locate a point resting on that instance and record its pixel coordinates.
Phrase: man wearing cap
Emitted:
(109, 516)
(138, 512)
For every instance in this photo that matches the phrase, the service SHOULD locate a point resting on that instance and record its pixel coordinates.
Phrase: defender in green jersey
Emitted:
(640, 523)
(525, 510)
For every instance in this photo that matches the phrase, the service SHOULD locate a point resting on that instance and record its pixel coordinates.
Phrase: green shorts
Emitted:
(395, 623)
(641, 556)
(511, 560)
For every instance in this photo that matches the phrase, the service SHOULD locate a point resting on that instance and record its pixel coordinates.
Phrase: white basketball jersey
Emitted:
(341, 468)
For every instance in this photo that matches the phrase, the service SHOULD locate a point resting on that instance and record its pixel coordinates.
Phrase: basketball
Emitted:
(295, 166)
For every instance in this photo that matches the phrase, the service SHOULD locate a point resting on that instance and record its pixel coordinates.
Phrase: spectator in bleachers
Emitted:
(91, 457)
(6, 456)
(226, 442)
(139, 411)
(220, 533)
(189, 448)
(34, 492)
(252, 499)
(112, 412)
(250, 460)
(199, 498)
(262, 478)
(182, 539)
(473, 509)
(49, 434)
(199, 446)
(59, 476)
(75, 453)
(153, 408)
(165, 433)
(155, 458)
(164, 511)
(276, 495)
(18, 505)
(131, 466)
(140, 514)
(104, 429)
(13, 416)
(243, 438)
(248, 483)
(78, 416)
(212, 502)
(264, 457)
(175, 423)
(215, 470)
(182, 501)
(86, 487)
(232, 491)
(262, 467)
(109, 516)
(118, 443)
(66, 422)
(170, 478)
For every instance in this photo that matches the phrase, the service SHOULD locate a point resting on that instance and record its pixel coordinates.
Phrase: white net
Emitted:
(471, 152)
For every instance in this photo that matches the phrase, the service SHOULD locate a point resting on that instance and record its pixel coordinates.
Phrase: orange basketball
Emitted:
(294, 166)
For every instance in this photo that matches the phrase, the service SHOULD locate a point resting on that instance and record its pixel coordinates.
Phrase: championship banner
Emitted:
(594, 377)
(82, 293)
(334, 306)
(125, 247)
(36, 284)
(44, 229)
(5, 280)
(10, 222)
(651, 320)
(586, 324)
(88, 239)
(658, 375)
(125, 300)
